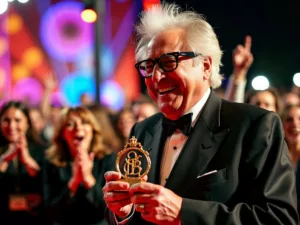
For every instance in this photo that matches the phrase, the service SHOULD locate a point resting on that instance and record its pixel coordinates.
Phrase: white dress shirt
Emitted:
(174, 143)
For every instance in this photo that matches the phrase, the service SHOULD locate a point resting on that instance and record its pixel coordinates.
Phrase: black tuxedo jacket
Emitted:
(254, 182)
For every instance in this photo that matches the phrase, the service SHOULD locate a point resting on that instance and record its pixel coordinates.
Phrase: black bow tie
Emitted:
(184, 123)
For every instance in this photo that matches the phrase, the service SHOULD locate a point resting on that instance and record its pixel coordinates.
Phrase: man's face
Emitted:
(177, 91)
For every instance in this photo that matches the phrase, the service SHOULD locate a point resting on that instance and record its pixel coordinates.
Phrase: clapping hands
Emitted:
(82, 170)
(20, 149)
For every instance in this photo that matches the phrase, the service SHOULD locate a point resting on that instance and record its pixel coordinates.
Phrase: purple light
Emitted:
(112, 95)
(63, 33)
(28, 90)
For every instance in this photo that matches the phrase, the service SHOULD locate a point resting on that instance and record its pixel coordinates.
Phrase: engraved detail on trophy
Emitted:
(133, 162)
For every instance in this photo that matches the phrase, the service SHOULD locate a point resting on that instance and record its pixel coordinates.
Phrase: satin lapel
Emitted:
(199, 149)
(154, 140)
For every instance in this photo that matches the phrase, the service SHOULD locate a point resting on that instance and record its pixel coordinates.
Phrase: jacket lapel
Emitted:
(199, 149)
(154, 141)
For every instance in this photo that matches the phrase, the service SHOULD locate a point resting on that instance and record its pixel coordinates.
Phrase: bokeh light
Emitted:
(3, 6)
(63, 33)
(147, 4)
(32, 57)
(19, 71)
(23, 1)
(260, 83)
(14, 24)
(29, 90)
(89, 15)
(2, 78)
(76, 84)
(112, 95)
(3, 46)
(296, 79)
(107, 62)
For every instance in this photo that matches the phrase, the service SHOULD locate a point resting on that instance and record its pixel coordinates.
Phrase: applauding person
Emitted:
(21, 160)
(75, 169)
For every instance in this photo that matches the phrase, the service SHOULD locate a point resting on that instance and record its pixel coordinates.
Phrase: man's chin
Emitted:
(172, 114)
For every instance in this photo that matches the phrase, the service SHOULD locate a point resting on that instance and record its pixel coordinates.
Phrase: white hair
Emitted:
(201, 37)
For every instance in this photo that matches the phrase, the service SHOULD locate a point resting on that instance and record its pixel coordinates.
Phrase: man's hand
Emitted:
(116, 194)
(242, 59)
(156, 203)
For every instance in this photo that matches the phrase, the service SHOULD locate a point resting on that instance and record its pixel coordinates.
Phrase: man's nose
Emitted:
(158, 73)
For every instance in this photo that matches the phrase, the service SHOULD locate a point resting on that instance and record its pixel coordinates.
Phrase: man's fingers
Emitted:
(113, 206)
(144, 187)
(117, 186)
(112, 176)
(116, 196)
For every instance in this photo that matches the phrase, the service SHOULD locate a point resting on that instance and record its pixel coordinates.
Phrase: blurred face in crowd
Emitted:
(143, 111)
(78, 133)
(54, 114)
(177, 91)
(291, 99)
(291, 125)
(37, 119)
(14, 124)
(264, 100)
(125, 122)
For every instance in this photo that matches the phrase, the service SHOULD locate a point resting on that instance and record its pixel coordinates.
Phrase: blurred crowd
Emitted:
(53, 157)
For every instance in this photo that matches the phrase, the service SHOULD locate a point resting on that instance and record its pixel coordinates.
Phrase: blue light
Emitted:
(107, 62)
(74, 85)
(112, 95)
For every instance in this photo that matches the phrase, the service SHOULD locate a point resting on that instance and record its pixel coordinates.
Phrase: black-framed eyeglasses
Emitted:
(167, 62)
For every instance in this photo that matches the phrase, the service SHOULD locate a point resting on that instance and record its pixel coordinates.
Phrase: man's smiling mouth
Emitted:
(163, 91)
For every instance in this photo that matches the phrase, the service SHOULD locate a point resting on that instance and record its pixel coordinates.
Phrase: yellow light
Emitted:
(32, 57)
(88, 15)
(19, 71)
(15, 24)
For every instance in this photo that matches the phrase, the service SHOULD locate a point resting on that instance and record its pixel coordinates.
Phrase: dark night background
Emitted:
(274, 27)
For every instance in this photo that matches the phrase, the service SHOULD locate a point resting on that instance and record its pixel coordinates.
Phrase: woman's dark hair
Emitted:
(30, 135)
(272, 91)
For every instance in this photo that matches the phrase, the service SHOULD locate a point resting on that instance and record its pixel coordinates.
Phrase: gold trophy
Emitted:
(133, 162)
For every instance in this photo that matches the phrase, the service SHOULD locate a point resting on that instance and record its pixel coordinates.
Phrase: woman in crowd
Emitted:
(75, 167)
(124, 122)
(291, 125)
(110, 137)
(268, 99)
(21, 164)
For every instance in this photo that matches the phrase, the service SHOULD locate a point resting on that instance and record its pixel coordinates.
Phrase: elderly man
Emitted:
(213, 161)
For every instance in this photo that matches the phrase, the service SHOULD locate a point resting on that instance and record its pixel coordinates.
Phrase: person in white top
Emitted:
(212, 161)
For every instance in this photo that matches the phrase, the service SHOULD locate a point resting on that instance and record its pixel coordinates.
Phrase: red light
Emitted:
(147, 4)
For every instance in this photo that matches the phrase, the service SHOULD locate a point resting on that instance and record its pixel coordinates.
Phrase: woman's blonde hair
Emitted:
(59, 153)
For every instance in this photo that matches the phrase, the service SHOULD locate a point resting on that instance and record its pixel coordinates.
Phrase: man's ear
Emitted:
(207, 67)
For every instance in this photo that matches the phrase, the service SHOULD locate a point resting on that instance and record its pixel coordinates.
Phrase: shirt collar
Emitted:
(196, 109)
